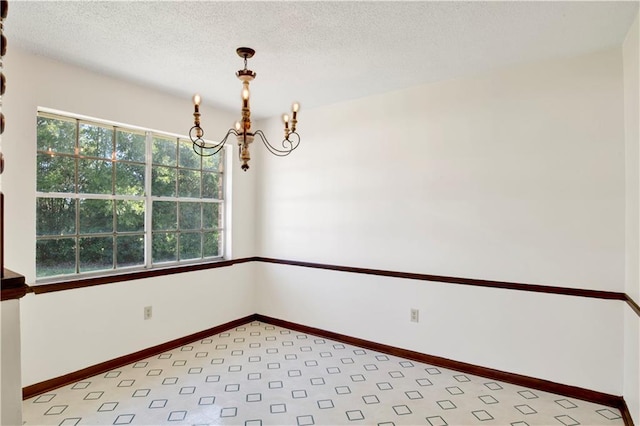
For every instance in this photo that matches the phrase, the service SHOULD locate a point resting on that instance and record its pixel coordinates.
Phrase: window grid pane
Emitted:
(96, 253)
(56, 173)
(96, 141)
(164, 151)
(55, 257)
(55, 216)
(109, 198)
(130, 250)
(130, 146)
(56, 135)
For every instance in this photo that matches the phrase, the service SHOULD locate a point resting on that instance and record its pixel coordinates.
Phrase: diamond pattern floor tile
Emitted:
(260, 374)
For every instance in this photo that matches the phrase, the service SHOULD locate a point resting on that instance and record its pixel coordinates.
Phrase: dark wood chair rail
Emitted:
(22, 289)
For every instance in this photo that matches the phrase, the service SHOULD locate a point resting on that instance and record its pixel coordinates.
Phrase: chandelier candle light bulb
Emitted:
(285, 120)
(242, 129)
(196, 116)
(294, 120)
(245, 95)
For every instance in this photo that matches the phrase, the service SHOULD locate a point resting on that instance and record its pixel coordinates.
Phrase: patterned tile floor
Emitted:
(259, 374)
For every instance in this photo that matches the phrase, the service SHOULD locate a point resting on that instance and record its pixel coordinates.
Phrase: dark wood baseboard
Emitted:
(626, 414)
(489, 373)
(103, 367)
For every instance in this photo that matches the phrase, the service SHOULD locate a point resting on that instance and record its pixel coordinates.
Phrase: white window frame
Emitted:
(147, 198)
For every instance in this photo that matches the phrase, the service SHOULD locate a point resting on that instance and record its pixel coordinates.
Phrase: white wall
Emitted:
(631, 59)
(11, 389)
(80, 328)
(540, 335)
(63, 332)
(515, 175)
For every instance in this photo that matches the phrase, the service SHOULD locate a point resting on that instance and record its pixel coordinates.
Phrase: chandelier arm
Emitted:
(205, 151)
(288, 144)
(230, 132)
(200, 148)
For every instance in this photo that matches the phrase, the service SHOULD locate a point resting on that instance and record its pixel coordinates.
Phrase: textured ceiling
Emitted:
(317, 53)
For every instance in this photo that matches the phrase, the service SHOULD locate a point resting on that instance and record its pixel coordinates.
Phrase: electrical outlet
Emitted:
(148, 312)
(415, 315)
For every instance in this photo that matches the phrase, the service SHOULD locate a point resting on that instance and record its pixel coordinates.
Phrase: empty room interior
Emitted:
(447, 234)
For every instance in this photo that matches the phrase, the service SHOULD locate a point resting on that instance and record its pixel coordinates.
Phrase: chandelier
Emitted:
(242, 130)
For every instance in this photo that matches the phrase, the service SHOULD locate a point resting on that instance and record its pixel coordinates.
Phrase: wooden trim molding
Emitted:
(103, 367)
(489, 373)
(538, 288)
(13, 285)
(626, 414)
(507, 285)
(632, 304)
(137, 275)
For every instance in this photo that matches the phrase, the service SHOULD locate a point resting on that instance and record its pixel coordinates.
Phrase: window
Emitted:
(111, 198)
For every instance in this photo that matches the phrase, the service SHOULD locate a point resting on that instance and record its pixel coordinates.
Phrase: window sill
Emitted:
(73, 282)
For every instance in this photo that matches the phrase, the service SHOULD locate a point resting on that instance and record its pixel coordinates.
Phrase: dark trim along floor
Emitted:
(517, 379)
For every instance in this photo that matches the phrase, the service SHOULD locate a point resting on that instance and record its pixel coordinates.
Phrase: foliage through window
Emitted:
(111, 198)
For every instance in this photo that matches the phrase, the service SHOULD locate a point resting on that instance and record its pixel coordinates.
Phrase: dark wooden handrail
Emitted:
(12, 285)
